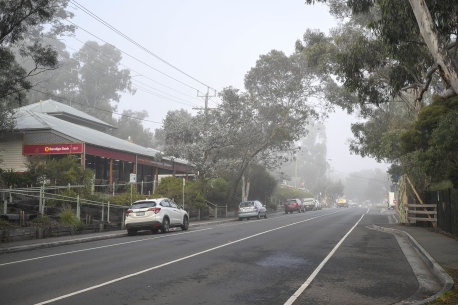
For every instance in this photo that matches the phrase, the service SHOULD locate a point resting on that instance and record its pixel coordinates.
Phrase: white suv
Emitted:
(155, 214)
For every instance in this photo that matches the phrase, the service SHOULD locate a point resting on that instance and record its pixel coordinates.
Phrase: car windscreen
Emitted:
(142, 205)
(246, 204)
(291, 201)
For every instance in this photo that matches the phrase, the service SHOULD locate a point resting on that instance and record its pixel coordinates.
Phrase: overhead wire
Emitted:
(133, 57)
(171, 98)
(141, 74)
(87, 11)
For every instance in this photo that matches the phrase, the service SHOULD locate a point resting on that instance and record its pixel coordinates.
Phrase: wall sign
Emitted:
(45, 149)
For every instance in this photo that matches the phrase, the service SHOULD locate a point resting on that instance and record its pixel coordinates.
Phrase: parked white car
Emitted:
(155, 214)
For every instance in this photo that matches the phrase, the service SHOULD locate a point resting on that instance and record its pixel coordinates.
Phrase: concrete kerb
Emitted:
(45, 244)
(78, 240)
(445, 279)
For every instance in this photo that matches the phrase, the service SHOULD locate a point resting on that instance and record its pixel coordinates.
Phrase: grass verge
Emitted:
(451, 296)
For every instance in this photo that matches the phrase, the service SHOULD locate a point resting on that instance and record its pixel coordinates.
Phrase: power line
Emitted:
(87, 11)
(173, 98)
(133, 57)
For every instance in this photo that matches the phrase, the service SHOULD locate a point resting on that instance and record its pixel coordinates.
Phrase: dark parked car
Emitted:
(292, 205)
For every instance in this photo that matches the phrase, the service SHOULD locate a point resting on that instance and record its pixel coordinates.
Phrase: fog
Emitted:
(214, 42)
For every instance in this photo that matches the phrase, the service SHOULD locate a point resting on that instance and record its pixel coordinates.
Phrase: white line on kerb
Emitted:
(321, 265)
(174, 261)
(99, 247)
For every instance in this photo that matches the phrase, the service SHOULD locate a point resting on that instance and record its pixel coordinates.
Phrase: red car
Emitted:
(292, 205)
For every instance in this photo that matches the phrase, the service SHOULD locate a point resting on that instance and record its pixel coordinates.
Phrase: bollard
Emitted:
(40, 202)
(113, 189)
(78, 208)
(11, 195)
(123, 223)
(108, 212)
(103, 212)
(43, 204)
(22, 218)
(5, 204)
(142, 188)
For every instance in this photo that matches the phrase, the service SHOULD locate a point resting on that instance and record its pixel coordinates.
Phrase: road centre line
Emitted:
(175, 261)
(312, 276)
(99, 247)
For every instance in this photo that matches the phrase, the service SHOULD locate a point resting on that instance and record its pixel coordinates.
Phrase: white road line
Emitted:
(100, 247)
(304, 286)
(174, 261)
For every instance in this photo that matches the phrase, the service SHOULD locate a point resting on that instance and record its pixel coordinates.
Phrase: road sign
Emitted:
(133, 178)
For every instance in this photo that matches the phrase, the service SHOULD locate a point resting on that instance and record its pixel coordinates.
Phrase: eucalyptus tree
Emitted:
(278, 92)
(412, 42)
(130, 126)
(386, 59)
(309, 164)
(100, 80)
(17, 20)
(247, 128)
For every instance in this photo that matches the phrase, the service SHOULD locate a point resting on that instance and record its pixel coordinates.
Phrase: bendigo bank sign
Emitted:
(44, 149)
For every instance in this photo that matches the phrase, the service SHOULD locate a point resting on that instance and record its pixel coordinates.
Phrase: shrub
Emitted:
(67, 217)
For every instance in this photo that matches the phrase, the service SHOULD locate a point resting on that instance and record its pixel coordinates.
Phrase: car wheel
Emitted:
(131, 232)
(259, 216)
(265, 215)
(240, 218)
(154, 231)
(185, 224)
(286, 212)
(165, 225)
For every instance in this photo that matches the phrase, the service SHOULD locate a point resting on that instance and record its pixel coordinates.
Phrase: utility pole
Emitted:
(206, 96)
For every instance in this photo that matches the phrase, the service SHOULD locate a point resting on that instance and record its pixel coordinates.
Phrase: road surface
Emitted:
(318, 257)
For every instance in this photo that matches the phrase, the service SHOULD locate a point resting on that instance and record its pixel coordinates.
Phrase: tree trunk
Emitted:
(245, 188)
(437, 48)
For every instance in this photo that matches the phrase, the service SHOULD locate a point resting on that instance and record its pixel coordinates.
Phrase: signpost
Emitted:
(132, 180)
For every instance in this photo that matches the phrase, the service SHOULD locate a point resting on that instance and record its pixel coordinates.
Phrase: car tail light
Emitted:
(239, 209)
(128, 212)
(155, 210)
(255, 207)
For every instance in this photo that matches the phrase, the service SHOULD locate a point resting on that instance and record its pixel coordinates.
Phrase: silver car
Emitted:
(248, 209)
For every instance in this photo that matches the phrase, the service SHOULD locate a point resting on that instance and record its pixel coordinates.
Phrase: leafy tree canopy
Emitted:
(20, 20)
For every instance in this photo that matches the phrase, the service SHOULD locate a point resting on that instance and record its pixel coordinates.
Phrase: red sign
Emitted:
(45, 149)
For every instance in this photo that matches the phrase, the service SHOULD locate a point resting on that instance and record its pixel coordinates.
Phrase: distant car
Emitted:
(292, 205)
(309, 204)
(155, 214)
(317, 204)
(248, 209)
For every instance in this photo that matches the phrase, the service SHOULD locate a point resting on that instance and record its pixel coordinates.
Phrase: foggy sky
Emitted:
(216, 42)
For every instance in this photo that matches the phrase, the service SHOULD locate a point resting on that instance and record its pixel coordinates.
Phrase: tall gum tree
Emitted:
(18, 19)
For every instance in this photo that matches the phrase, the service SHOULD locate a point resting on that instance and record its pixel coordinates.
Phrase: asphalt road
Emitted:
(318, 257)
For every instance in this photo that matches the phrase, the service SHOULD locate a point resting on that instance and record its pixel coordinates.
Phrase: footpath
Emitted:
(49, 242)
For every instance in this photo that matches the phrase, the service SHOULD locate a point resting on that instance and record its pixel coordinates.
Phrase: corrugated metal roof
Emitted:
(51, 106)
(28, 119)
